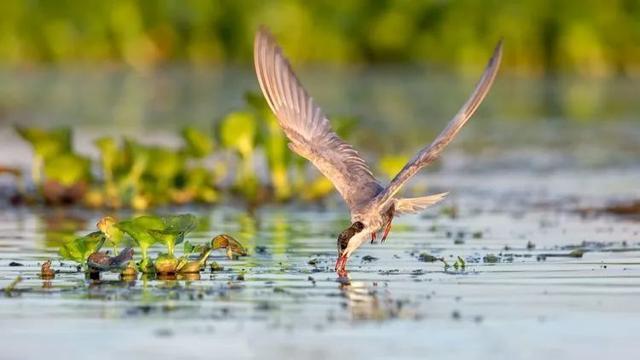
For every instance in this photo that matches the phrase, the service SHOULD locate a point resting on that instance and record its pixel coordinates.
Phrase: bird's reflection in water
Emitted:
(47, 284)
(367, 301)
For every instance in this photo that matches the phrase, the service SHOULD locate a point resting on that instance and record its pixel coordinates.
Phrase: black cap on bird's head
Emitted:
(347, 234)
(343, 244)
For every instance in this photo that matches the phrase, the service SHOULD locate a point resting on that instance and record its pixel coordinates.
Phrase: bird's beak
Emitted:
(341, 265)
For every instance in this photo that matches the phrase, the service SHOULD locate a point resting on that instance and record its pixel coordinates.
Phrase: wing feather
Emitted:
(416, 205)
(431, 152)
(307, 128)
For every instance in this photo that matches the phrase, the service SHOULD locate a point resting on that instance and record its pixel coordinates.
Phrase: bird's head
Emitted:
(349, 240)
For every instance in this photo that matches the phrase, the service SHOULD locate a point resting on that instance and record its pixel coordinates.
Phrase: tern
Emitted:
(371, 205)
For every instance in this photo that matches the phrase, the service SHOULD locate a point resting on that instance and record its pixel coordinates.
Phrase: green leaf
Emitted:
(188, 248)
(108, 156)
(181, 223)
(238, 131)
(198, 144)
(68, 169)
(47, 143)
(79, 249)
(164, 164)
(137, 229)
(108, 227)
(169, 230)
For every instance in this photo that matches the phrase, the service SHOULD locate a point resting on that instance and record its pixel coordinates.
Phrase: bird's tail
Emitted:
(414, 205)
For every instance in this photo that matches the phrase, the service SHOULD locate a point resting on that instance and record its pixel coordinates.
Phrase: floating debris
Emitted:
(101, 261)
(46, 272)
(490, 259)
(576, 253)
(214, 266)
(424, 257)
(12, 286)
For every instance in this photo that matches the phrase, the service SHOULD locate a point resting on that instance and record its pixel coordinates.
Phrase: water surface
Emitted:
(519, 179)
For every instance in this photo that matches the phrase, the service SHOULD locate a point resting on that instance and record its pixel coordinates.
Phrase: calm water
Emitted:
(517, 178)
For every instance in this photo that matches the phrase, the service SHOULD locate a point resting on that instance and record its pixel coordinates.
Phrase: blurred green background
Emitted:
(389, 74)
(590, 38)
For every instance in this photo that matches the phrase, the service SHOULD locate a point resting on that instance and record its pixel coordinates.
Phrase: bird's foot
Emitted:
(373, 237)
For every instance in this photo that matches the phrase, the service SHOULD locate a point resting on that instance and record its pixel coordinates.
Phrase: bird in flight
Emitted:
(371, 205)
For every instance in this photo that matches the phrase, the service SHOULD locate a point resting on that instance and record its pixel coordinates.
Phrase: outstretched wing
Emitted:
(431, 152)
(307, 128)
(415, 205)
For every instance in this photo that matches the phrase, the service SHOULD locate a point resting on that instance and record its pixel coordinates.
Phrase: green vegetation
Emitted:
(586, 37)
(146, 231)
(133, 175)
(81, 248)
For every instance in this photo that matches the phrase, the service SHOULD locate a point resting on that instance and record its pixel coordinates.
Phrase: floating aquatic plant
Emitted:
(137, 229)
(146, 231)
(185, 266)
(81, 248)
(233, 247)
(107, 225)
(129, 272)
(460, 264)
(166, 264)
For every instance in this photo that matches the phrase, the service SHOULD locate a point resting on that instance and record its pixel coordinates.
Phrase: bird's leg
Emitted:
(373, 237)
(341, 266)
(387, 226)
